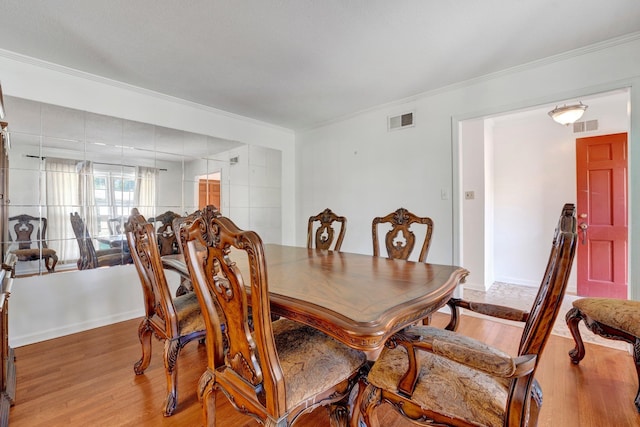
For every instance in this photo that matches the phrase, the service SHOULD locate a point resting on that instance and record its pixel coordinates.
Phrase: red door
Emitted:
(601, 167)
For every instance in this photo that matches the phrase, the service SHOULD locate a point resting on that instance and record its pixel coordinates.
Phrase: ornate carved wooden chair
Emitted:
(166, 236)
(610, 318)
(443, 378)
(176, 321)
(278, 370)
(89, 256)
(400, 240)
(324, 236)
(27, 248)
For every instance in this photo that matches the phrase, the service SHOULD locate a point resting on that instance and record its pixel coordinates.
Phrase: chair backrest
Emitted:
(166, 235)
(400, 240)
(143, 247)
(23, 228)
(324, 236)
(553, 286)
(116, 225)
(208, 240)
(88, 257)
(543, 313)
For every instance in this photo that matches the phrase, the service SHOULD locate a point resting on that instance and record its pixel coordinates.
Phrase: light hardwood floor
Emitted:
(87, 379)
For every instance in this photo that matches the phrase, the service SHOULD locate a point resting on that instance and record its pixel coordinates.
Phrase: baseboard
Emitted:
(21, 340)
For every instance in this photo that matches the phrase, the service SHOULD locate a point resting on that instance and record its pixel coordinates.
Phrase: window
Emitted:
(114, 192)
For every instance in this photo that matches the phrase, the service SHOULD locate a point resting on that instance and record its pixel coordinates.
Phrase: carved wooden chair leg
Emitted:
(144, 334)
(356, 398)
(171, 351)
(371, 399)
(207, 396)
(50, 263)
(573, 318)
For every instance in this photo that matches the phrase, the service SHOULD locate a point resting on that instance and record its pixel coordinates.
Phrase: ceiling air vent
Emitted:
(591, 125)
(578, 127)
(588, 126)
(401, 121)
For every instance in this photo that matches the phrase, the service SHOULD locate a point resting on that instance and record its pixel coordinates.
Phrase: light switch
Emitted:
(469, 195)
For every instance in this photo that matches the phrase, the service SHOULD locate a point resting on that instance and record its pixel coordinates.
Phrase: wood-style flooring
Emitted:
(87, 379)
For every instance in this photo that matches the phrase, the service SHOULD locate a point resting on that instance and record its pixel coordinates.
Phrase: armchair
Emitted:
(438, 377)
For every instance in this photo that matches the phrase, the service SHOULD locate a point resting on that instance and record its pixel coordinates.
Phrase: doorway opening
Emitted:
(208, 190)
(521, 168)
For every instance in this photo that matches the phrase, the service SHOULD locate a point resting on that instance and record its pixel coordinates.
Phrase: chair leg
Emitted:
(209, 407)
(636, 359)
(573, 318)
(171, 351)
(370, 400)
(144, 334)
(50, 263)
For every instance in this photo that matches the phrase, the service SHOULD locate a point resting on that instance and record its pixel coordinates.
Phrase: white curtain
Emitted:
(61, 200)
(87, 197)
(145, 194)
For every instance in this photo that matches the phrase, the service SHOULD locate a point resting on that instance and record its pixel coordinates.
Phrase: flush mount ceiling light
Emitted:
(567, 114)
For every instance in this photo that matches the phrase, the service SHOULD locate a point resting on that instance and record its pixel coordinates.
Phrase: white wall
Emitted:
(474, 254)
(358, 169)
(43, 307)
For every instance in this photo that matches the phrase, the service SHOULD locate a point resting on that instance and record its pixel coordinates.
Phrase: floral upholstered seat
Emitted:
(610, 318)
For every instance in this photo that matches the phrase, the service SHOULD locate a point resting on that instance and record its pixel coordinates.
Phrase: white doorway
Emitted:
(520, 166)
(208, 190)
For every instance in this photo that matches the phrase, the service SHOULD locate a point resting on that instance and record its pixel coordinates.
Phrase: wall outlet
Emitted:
(469, 195)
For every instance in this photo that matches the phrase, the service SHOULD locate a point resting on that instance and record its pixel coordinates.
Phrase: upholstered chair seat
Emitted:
(188, 313)
(475, 390)
(619, 314)
(34, 253)
(311, 360)
(610, 318)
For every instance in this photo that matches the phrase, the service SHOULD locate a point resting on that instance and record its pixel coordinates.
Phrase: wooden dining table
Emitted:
(360, 300)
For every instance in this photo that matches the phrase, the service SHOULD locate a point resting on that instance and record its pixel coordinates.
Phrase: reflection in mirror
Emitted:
(69, 164)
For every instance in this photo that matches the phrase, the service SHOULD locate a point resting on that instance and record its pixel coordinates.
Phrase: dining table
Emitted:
(360, 300)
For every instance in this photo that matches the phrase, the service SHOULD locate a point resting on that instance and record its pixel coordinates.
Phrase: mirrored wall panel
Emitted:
(74, 177)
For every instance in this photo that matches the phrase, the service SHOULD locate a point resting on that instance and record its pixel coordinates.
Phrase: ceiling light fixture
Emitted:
(567, 114)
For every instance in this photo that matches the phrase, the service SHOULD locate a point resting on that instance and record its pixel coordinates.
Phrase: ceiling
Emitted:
(301, 63)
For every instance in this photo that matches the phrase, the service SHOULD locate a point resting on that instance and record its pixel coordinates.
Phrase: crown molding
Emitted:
(631, 37)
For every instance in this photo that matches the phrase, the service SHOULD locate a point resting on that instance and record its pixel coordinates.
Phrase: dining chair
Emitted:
(275, 371)
(440, 377)
(90, 257)
(28, 249)
(400, 239)
(325, 234)
(166, 236)
(610, 318)
(175, 321)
